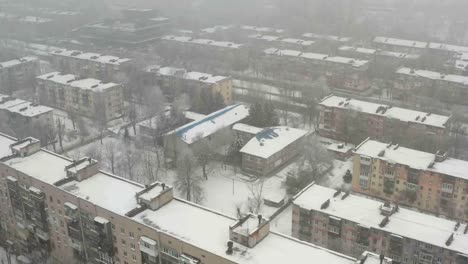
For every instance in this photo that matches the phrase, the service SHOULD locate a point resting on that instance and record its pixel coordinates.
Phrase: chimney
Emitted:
(230, 244)
(259, 220)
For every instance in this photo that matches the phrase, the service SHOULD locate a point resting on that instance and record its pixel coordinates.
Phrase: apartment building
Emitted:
(352, 224)
(284, 43)
(75, 213)
(214, 129)
(328, 38)
(170, 79)
(87, 97)
(418, 47)
(430, 182)
(91, 65)
(18, 74)
(448, 88)
(221, 46)
(379, 57)
(271, 148)
(341, 72)
(377, 120)
(21, 114)
(131, 31)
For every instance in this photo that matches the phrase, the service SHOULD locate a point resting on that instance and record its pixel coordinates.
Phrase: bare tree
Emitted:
(255, 200)
(84, 132)
(60, 127)
(94, 152)
(129, 162)
(100, 116)
(316, 158)
(187, 182)
(110, 149)
(133, 116)
(150, 169)
(204, 155)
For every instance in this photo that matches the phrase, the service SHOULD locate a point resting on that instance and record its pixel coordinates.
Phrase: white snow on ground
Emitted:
(334, 178)
(283, 222)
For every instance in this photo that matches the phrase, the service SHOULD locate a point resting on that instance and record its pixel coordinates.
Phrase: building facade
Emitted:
(71, 212)
(339, 114)
(341, 72)
(91, 65)
(443, 87)
(170, 79)
(430, 182)
(18, 74)
(87, 97)
(353, 224)
(271, 148)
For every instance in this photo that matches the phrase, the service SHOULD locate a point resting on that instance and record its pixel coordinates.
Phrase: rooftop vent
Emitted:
(229, 250)
(345, 195)
(384, 221)
(336, 193)
(457, 225)
(325, 204)
(423, 119)
(381, 153)
(23, 109)
(396, 146)
(449, 240)
(417, 118)
(94, 57)
(466, 229)
(95, 86)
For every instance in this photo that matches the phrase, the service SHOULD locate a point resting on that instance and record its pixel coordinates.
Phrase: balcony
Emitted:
(76, 245)
(42, 234)
(148, 246)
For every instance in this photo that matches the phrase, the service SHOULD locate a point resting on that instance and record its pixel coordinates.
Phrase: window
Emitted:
(132, 246)
(122, 231)
(131, 234)
(133, 257)
(124, 243)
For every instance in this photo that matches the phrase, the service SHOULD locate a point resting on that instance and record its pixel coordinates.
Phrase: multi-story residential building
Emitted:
(353, 224)
(338, 114)
(271, 148)
(72, 212)
(439, 86)
(285, 43)
(129, 31)
(214, 129)
(91, 65)
(341, 72)
(262, 30)
(401, 45)
(418, 47)
(328, 38)
(21, 114)
(379, 57)
(88, 97)
(221, 46)
(191, 82)
(431, 182)
(18, 74)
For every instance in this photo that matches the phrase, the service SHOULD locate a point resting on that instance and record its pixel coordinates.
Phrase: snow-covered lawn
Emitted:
(282, 223)
(3, 257)
(334, 178)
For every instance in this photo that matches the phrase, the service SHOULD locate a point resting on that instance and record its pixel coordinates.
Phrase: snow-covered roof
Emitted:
(413, 158)
(379, 52)
(340, 147)
(270, 38)
(357, 63)
(272, 140)
(194, 76)
(213, 122)
(402, 114)
(154, 192)
(13, 63)
(193, 116)
(401, 42)
(461, 64)
(215, 29)
(247, 128)
(33, 165)
(5, 142)
(107, 191)
(74, 81)
(209, 231)
(96, 57)
(34, 19)
(263, 29)
(208, 42)
(406, 223)
(434, 75)
(21, 107)
(448, 47)
(326, 37)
